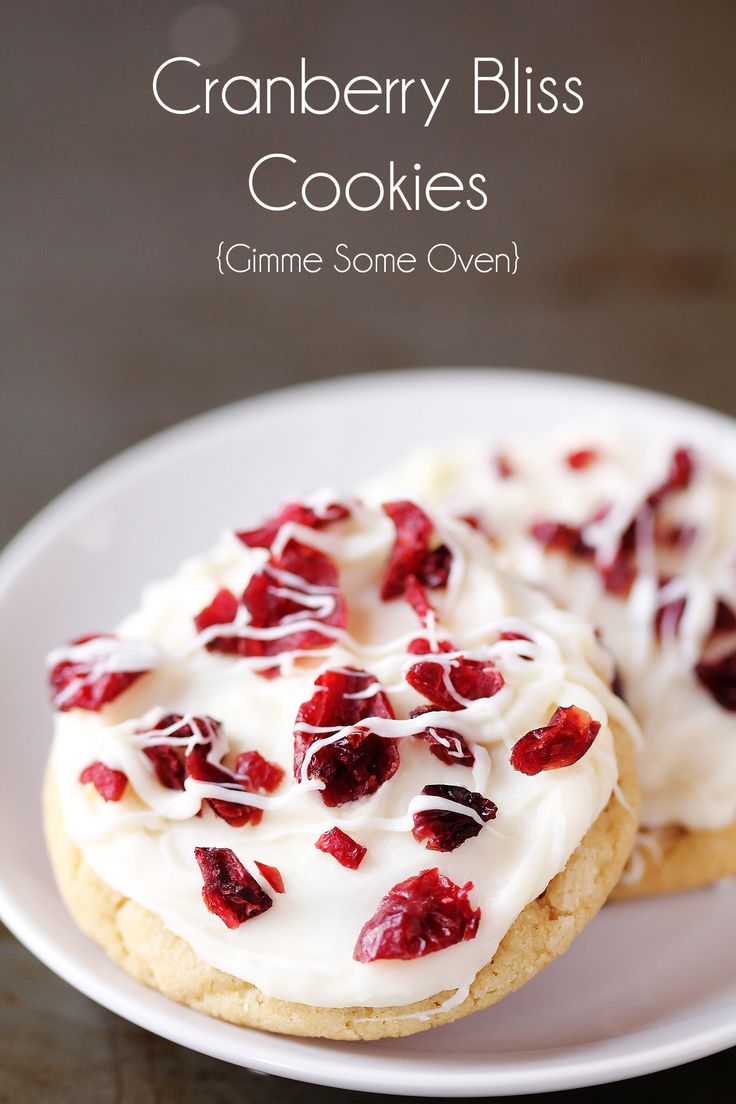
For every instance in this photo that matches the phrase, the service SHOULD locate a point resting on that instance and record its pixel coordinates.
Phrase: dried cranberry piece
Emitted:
(674, 535)
(303, 572)
(725, 618)
(423, 914)
(558, 536)
(201, 769)
(447, 746)
(361, 761)
(445, 829)
(411, 556)
(618, 576)
(257, 774)
(82, 682)
(222, 610)
(168, 764)
(436, 567)
(617, 684)
(413, 534)
(300, 584)
(503, 466)
(468, 679)
(678, 478)
(416, 596)
(109, 783)
(229, 891)
(168, 760)
(272, 874)
(422, 645)
(718, 676)
(342, 847)
(581, 458)
(297, 513)
(475, 523)
(569, 734)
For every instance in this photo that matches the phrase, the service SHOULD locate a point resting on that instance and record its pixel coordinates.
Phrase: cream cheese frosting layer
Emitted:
(301, 949)
(688, 760)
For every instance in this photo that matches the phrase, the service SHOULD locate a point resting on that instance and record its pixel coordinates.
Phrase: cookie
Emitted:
(139, 942)
(638, 535)
(342, 775)
(668, 860)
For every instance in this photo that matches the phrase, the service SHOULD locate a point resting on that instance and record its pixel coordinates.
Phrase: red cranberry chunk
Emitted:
(676, 535)
(581, 459)
(618, 576)
(411, 557)
(446, 829)
(200, 768)
(718, 676)
(413, 534)
(474, 522)
(309, 576)
(229, 891)
(416, 596)
(558, 536)
(678, 478)
(258, 774)
(503, 466)
(272, 874)
(109, 783)
(83, 682)
(299, 585)
(469, 679)
(342, 847)
(725, 618)
(617, 685)
(565, 740)
(361, 761)
(297, 513)
(423, 914)
(422, 645)
(447, 746)
(222, 610)
(514, 636)
(436, 567)
(168, 764)
(167, 759)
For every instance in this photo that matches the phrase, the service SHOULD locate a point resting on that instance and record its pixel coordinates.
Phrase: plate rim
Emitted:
(543, 1070)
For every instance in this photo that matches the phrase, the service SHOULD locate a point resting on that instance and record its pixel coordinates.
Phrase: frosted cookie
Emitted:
(639, 536)
(341, 776)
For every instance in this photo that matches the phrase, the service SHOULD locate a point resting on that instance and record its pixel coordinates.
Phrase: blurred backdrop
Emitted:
(116, 322)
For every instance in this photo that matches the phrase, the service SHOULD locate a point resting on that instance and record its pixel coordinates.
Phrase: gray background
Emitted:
(116, 323)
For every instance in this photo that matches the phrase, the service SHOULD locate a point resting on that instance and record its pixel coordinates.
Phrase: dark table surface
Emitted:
(116, 323)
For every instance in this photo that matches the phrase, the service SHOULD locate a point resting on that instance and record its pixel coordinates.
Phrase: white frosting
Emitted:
(688, 765)
(301, 949)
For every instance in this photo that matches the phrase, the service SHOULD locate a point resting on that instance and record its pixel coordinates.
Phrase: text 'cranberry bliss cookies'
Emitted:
(639, 536)
(340, 776)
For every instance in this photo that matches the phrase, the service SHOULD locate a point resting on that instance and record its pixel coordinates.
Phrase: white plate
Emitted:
(648, 985)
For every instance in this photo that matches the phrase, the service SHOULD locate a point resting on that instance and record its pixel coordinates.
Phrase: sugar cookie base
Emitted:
(686, 859)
